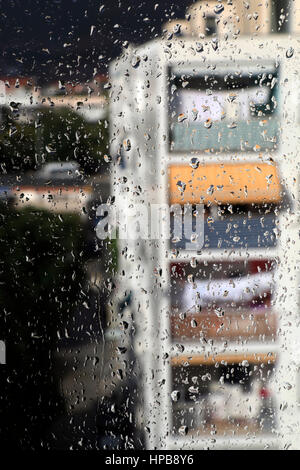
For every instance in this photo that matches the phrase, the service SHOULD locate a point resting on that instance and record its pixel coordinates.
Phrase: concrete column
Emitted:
(240, 17)
(225, 16)
(294, 17)
(180, 27)
(256, 16)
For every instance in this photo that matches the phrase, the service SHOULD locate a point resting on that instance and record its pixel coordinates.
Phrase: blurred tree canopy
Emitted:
(41, 282)
(48, 135)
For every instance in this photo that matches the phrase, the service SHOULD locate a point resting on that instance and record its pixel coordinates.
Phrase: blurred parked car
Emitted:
(60, 170)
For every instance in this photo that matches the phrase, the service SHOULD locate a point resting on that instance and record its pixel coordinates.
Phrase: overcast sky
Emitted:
(44, 38)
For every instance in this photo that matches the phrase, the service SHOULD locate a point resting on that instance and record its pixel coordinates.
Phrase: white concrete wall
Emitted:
(252, 17)
(294, 17)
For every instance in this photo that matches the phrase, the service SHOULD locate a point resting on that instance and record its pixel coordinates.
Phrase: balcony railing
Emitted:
(237, 231)
(222, 136)
(251, 324)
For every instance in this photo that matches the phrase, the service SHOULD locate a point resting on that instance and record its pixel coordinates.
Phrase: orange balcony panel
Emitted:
(232, 183)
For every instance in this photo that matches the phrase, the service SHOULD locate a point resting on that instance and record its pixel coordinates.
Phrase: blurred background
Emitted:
(65, 384)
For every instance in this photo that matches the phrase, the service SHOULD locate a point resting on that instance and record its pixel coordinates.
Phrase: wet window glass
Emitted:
(149, 227)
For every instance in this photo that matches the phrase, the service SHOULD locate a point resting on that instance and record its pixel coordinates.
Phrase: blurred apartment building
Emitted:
(87, 99)
(237, 17)
(206, 115)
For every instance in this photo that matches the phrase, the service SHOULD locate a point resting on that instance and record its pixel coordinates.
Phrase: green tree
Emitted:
(41, 280)
(52, 135)
(72, 138)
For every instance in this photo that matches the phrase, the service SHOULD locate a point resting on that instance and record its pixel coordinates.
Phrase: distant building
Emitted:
(22, 95)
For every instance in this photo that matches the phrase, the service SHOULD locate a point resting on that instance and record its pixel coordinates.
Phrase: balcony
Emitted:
(236, 232)
(236, 324)
(221, 137)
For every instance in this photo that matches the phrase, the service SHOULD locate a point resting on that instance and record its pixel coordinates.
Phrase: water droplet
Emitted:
(219, 8)
(194, 114)
(211, 189)
(199, 47)
(177, 28)
(49, 149)
(231, 97)
(182, 117)
(180, 347)
(175, 395)
(219, 312)
(206, 377)
(181, 186)
(12, 131)
(107, 158)
(208, 123)
(289, 53)
(157, 272)
(194, 163)
(214, 44)
(126, 144)
(183, 430)
(136, 62)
